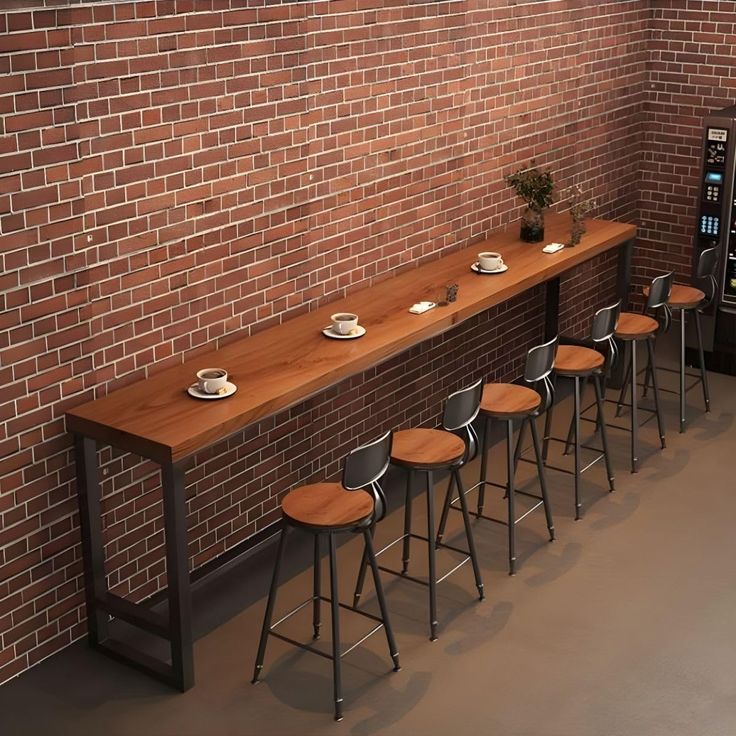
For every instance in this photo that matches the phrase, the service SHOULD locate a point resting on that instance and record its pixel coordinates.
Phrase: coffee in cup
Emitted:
(490, 261)
(343, 323)
(211, 380)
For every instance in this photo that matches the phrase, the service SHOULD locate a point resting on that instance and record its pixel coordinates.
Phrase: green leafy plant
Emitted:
(534, 186)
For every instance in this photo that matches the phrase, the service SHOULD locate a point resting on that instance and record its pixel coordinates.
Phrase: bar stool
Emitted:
(509, 402)
(634, 328)
(581, 363)
(327, 509)
(688, 299)
(427, 451)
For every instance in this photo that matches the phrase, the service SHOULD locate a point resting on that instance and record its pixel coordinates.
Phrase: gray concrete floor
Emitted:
(623, 626)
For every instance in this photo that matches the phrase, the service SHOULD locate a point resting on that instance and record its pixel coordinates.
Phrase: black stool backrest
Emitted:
(604, 326)
(365, 466)
(461, 408)
(659, 293)
(706, 269)
(539, 363)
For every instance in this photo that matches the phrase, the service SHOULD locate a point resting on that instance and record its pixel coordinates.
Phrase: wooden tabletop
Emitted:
(283, 365)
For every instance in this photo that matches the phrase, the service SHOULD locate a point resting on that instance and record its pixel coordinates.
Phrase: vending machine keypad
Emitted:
(710, 225)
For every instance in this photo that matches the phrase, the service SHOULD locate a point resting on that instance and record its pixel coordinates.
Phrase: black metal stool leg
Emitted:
(407, 524)
(542, 481)
(469, 533)
(432, 566)
(576, 420)
(317, 590)
(701, 355)
(519, 445)
(548, 420)
(510, 494)
(625, 382)
(660, 422)
(446, 509)
(335, 605)
(634, 411)
(569, 440)
(682, 370)
(267, 616)
(371, 556)
(604, 437)
(362, 571)
(484, 466)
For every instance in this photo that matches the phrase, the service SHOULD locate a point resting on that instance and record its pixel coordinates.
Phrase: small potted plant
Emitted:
(580, 207)
(536, 188)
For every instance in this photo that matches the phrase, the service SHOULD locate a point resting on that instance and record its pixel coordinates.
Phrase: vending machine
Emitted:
(716, 227)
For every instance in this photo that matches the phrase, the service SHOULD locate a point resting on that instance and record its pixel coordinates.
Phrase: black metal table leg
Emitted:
(623, 275)
(93, 552)
(177, 573)
(552, 309)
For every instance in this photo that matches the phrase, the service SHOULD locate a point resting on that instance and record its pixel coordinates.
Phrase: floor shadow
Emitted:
(478, 629)
(558, 561)
(617, 509)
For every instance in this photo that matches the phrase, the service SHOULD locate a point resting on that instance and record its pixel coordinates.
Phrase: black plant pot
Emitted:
(532, 225)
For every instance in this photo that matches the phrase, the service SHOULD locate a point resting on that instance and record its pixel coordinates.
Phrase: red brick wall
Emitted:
(174, 174)
(691, 73)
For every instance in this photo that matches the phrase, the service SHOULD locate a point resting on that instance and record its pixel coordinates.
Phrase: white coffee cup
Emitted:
(211, 380)
(490, 261)
(344, 322)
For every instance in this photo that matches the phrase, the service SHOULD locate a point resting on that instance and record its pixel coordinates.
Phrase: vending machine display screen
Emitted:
(714, 177)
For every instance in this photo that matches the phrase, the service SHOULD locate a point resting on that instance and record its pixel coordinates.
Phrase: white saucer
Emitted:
(194, 391)
(476, 267)
(358, 331)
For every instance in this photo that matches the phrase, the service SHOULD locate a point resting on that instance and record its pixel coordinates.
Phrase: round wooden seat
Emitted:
(327, 505)
(685, 297)
(577, 360)
(508, 400)
(682, 296)
(633, 326)
(426, 448)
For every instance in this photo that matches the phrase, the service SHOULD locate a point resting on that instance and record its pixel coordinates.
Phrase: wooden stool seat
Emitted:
(508, 400)
(327, 505)
(682, 296)
(685, 297)
(633, 326)
(426, 448)
(577, 360)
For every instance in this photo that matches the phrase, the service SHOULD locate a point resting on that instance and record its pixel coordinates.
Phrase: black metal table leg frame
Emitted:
(468, 530)
(371, 557)
(268, 615)
(177, 573)
(660, 422)
(432, 561)
(93, 553)
(602, 425)
(407, 524)
(701, 355)
(510, 494)
(317, 591)
(334, 604)
(551, 308)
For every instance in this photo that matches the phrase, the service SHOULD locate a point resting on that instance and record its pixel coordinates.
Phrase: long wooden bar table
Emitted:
(275, 369)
